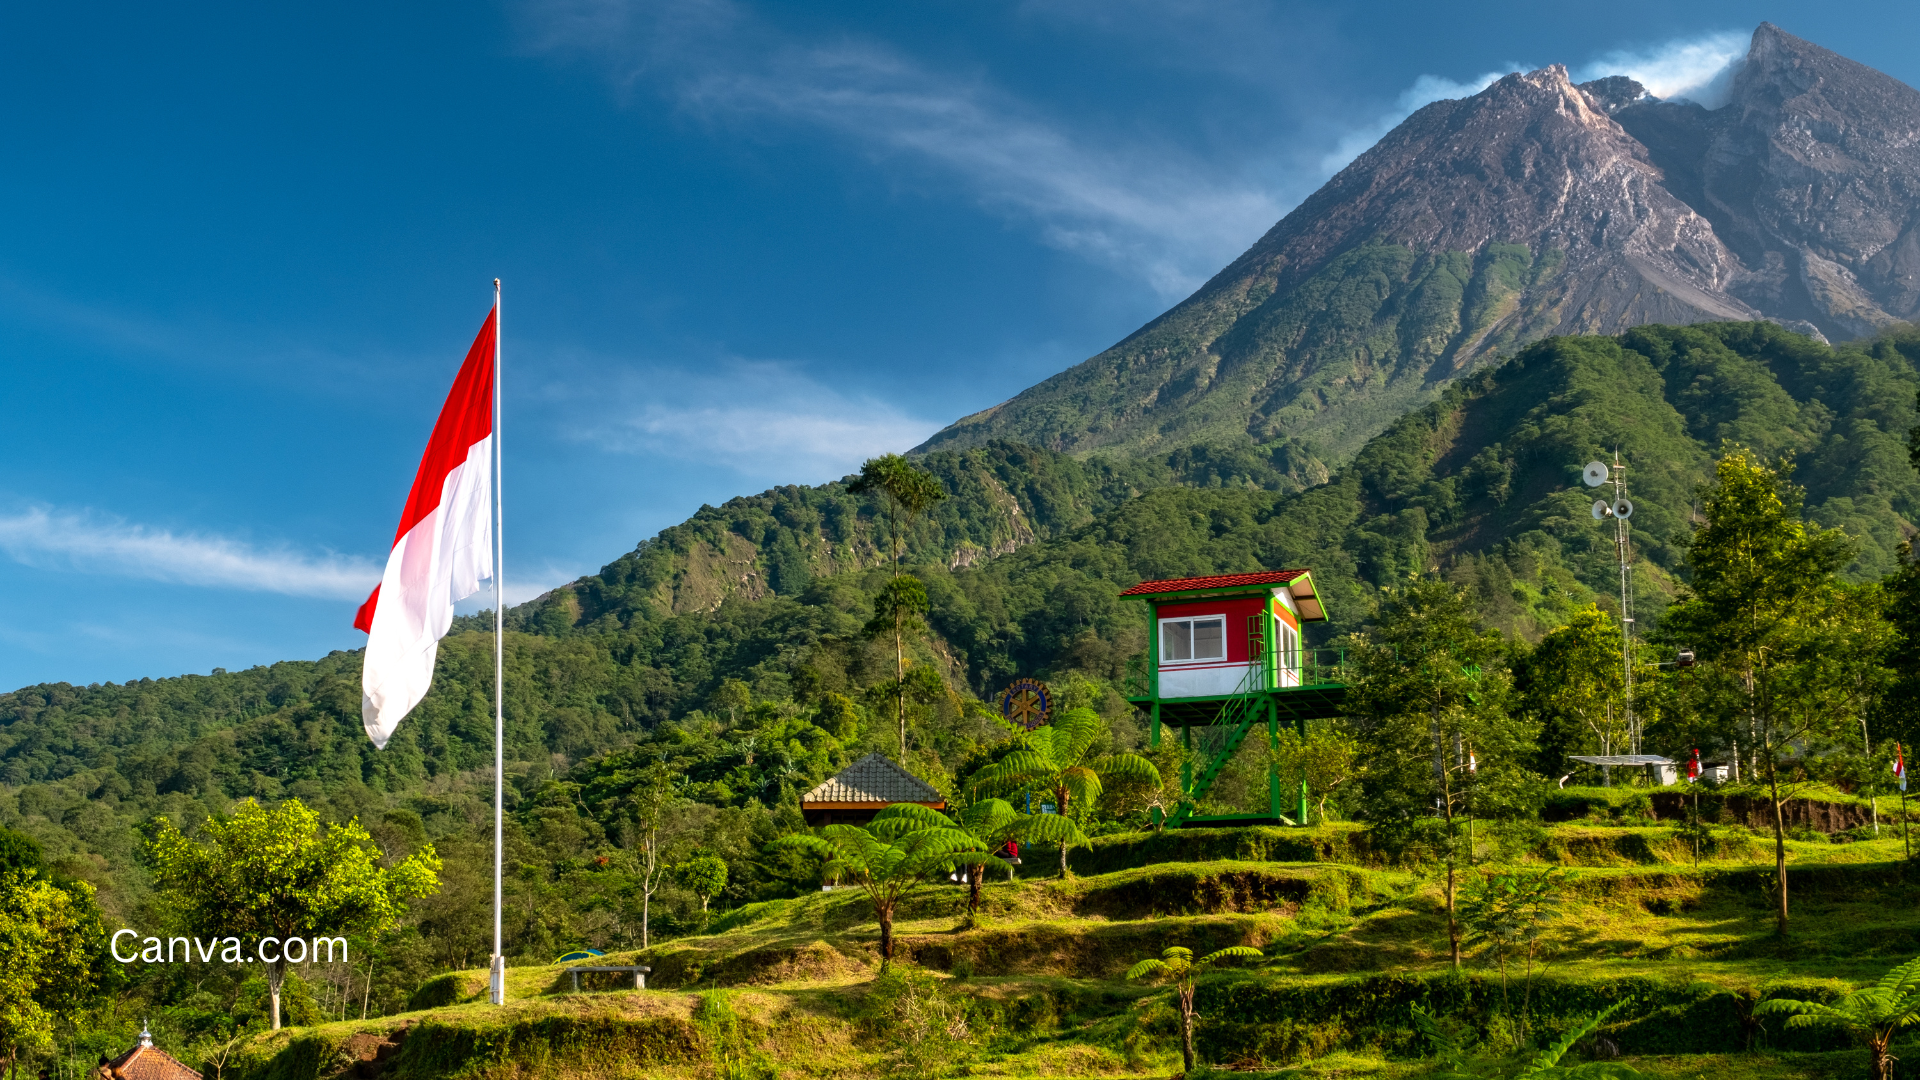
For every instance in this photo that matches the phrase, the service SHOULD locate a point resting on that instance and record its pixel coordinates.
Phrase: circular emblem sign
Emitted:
(1026, 702)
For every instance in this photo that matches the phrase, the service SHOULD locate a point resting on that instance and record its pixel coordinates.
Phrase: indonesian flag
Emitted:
(1900, 766)
(442, 551)
(1693, 767)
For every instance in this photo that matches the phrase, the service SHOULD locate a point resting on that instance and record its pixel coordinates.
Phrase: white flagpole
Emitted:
(497, 982)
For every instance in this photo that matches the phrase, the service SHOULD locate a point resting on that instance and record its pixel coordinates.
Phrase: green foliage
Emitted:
(889, 859)
(1511, 912)
(1872, 1016)
(1571, 685)
(1176, 967)
(925, 1030)
(1058, 761)
(1429, 699)
(704, 875)
(50, 945)
(279, 872)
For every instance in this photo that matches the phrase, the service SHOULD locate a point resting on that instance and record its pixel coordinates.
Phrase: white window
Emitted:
(1289, 651)
(1184, 641)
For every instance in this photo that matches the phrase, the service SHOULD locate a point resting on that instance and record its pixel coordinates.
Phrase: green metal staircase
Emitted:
(1238, 715)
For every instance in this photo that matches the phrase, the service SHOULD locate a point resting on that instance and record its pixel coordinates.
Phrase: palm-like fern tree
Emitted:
(889, 861)
(992, 822)
(1873, 1015)
(1177, 967)
(1057, 760)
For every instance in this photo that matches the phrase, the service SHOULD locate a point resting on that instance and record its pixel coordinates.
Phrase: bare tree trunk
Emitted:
(899, 672)
(1779, 843)
(276, 975)
(1061, 795)
(885, 913)
(974, 875)
(648, 882)
(1453, 923)
(1186, 1024)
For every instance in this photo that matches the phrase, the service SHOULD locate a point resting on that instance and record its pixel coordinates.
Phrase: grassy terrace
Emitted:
(1032, 988)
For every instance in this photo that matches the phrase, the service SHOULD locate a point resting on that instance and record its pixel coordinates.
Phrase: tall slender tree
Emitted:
(1762, 607)
(1428, 701)
(907, 491)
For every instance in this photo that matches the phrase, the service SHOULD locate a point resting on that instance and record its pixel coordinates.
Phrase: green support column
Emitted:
(1186, 765)
(1153, 726)
(1302, 819)
(1273, 771)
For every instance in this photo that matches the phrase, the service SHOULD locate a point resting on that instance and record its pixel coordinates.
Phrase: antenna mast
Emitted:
(1595, 474)
(1623, 549)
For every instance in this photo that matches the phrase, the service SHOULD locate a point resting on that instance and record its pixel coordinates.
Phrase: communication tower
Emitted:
(1620, 510)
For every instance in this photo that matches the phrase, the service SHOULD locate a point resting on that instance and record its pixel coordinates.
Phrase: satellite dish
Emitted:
(1623, 509)
(1595, 474)
(1601, 511)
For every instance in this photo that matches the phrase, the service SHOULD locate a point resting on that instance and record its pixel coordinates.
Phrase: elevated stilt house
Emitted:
(1225, 658)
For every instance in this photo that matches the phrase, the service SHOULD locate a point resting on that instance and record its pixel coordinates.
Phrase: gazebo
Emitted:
(144, 1062)
(856, 793)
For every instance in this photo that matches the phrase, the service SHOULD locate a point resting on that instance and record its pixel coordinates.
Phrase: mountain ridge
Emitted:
(1532, 208)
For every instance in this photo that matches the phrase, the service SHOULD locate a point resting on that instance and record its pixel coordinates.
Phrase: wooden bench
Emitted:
(639, 974)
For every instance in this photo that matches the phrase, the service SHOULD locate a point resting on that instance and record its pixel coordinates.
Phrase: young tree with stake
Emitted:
(1431, 689)
(1764, 610)
(1177, 967)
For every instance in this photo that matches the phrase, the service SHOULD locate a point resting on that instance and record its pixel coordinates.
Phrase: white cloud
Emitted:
(1697, 69)
(772, 422)
(1150, 211)
(1162, 213)
(95, 543)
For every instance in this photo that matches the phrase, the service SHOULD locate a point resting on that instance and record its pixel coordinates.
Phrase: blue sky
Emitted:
(743, 244)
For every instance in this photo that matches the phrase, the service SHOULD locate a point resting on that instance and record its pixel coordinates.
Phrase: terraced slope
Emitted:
(1033, 986)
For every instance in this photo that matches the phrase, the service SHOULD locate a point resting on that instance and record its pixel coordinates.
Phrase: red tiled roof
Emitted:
(146, 1063)
(1223, 581)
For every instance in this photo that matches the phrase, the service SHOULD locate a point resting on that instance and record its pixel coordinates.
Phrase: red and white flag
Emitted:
(1900, 766)
(442, 551)
(1693, 767)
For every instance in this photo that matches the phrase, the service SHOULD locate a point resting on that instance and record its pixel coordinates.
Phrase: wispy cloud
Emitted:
(1152, 211)
(95, 543)
(1698, 69)
(774, 422)
(1160, 211)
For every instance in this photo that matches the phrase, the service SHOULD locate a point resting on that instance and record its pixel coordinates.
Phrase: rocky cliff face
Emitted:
(1535, 207)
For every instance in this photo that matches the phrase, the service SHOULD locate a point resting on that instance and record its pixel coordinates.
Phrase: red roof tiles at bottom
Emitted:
(145, 1062)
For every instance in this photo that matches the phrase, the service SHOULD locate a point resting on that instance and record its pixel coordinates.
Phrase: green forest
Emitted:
(664, 716)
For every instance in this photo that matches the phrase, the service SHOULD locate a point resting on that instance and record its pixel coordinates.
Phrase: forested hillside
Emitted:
(735, 647)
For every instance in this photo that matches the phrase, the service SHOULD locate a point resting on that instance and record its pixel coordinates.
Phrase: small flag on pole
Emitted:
(442, 551)
(1900, 766)
(1693, 767)
(1473, 763)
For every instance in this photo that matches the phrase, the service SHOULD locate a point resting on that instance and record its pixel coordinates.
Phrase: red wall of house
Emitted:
(1236, 609)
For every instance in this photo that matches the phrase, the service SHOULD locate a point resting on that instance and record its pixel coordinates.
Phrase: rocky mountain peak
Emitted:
(1534, 207)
